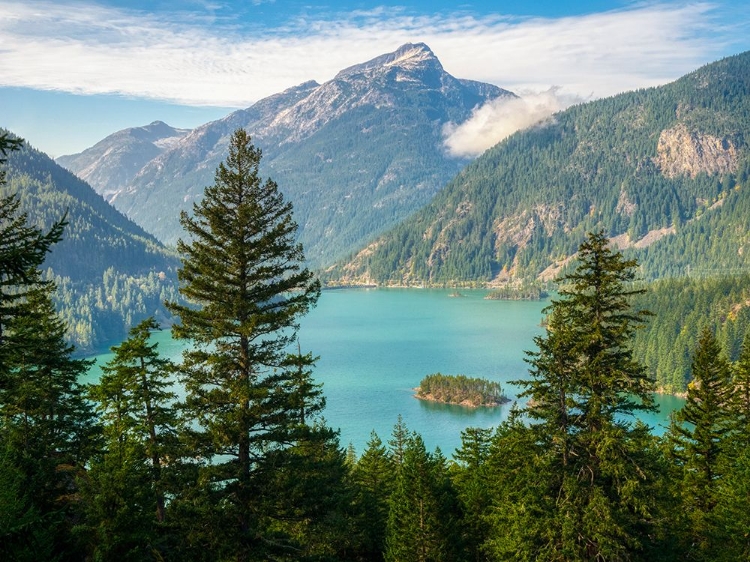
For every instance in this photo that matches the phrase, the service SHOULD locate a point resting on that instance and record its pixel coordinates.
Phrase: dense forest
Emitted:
(245, 468)
(670, 161)
(109, 272)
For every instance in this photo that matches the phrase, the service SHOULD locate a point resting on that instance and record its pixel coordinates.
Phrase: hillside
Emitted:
(114, 161)
(664, 172)
(355, 155)
(109, 271)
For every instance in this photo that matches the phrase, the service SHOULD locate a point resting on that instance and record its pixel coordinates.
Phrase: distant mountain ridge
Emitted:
(115, 160)
(355, 155)
(663, 171)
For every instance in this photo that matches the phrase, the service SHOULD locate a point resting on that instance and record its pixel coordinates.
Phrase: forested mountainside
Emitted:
(115, 160)
(663, 171)
(681, 308)
(355, 155)
(110, 273)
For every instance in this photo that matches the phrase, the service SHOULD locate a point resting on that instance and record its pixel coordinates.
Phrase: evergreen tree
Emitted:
(126, 484)
(585, 389)
(45, 422)
(243, 273)
(421, 520)
(740, 397)
(472, 481)
(700, 431)
(374, 474)
(23, 248)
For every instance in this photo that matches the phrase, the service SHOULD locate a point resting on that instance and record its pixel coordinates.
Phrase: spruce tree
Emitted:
(243, 274)
(700, 432)
(126, 483)
(584, 391)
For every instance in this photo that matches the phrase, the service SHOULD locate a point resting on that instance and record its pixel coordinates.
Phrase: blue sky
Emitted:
(72, 72)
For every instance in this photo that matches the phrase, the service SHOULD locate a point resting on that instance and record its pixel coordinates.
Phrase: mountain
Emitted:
(110, 273)
(663, 171)
(114, 161)
(355, 155)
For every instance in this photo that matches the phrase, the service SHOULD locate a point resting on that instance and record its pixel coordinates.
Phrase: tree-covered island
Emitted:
(460, 390)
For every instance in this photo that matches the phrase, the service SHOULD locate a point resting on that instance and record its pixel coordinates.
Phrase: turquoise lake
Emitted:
(375, 345)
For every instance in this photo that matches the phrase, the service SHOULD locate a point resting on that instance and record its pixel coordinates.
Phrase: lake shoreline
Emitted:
(464, 404)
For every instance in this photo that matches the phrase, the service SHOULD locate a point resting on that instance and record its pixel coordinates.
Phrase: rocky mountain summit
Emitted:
(665, 172)
(355, 154)
(114, 161)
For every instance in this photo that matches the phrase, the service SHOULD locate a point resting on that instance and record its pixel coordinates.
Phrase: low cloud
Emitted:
(500, 118)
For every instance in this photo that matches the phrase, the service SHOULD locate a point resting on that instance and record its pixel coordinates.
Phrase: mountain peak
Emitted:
(409, 55)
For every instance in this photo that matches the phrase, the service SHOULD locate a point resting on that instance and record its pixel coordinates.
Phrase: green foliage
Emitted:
(125, 485)
(373, 477)
(584, 385)
(700, 430)
(110, 274)
(423, 517)
(46, 426)
(682, 308)
(527, 203)
(526, 292)
(252, 405)
(460, 389)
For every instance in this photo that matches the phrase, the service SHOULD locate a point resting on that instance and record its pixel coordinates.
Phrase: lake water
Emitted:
(375, 345)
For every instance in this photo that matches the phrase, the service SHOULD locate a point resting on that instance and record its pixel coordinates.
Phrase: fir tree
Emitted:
(421, 525)
(584, 391)
(699, 432)
(45, 421)
(242, 271)
(472, 481)
(374, 474)
(126, 484)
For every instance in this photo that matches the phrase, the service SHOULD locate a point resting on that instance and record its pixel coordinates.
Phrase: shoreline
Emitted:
(464, 404)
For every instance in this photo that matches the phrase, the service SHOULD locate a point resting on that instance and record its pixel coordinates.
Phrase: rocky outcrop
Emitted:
(681, 152)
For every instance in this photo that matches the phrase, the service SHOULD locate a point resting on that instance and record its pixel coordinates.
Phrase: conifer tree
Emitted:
(699, 432)
(421, 525)
(45, 420)
(585, 388)
(23, 248)
(472, 481)
(739, 402)
(126, 483)
(374, 474)
(244, 275)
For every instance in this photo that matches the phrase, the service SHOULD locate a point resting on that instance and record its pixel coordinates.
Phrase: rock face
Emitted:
(113, 162)
(684, 152)
(656, 170)
(355, 155)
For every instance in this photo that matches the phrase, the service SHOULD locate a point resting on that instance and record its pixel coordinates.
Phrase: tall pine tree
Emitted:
(584, 390)
(700, 432)
(244, 276)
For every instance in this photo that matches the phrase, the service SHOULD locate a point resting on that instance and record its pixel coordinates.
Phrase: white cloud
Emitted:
(90, 49)
(500, 118)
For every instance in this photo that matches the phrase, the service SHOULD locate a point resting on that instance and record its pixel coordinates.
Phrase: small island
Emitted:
(460, 390)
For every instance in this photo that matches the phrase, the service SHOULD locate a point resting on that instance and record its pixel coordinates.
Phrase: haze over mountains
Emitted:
(355, 155)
